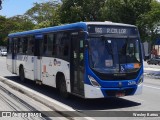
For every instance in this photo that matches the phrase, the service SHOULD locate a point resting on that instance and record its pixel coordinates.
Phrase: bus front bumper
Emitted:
(95, 92)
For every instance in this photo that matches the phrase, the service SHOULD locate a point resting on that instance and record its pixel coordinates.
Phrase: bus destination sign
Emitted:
(112, 30)
(116, 31)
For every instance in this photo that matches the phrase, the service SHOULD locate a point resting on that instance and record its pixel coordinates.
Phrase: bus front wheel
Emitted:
(21, 74)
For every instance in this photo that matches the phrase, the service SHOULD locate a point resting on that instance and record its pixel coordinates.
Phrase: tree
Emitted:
(149, 22)
(44, 13)
(13, 24)
(3, 33)
(125, 11)
(81, 10)
(21, 23)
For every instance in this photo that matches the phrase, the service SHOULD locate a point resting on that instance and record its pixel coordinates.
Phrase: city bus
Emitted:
(87, 59)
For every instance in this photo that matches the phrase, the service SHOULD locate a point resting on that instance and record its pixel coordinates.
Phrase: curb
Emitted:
(58, 107)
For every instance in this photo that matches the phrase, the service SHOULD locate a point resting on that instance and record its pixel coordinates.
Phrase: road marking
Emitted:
(152, 87)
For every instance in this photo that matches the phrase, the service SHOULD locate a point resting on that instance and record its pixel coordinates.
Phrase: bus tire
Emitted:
(21, 74)
(63, 88)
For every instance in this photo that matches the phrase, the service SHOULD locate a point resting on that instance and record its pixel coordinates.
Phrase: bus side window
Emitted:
(18, 45)
(58, 45)
(24, 45)
(50, 39)
(30, 48)
(62, 45)
(65, 45)
(54, 46)
(9, 45)
(45, 45)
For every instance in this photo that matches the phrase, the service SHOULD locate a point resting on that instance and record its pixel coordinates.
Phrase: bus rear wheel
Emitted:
(21, 74)
(63, 88)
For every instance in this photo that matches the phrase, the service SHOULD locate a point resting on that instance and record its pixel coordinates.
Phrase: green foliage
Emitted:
(44, 14)
(42, 25)
(21, 23)
(143, 13)
(81, 10)
(125, 11)
(13, 24)
(149, 22)
(3, 28)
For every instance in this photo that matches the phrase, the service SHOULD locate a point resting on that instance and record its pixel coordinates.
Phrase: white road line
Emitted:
(151, 87)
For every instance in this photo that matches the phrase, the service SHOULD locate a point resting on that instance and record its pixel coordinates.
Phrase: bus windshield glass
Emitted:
(114, 55)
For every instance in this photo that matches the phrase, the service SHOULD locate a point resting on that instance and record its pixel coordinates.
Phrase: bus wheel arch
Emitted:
(21, 73)
(61, 85)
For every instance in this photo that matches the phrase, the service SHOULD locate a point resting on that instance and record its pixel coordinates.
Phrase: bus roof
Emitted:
(78, 25)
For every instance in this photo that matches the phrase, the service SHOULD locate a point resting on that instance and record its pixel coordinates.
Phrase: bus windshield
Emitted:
(114, 55)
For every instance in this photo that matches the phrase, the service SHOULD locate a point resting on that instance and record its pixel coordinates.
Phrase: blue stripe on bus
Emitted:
(80, 25)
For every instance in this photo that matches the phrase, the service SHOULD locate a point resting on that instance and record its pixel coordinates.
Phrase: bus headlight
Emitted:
(93, 81)
(140, 80)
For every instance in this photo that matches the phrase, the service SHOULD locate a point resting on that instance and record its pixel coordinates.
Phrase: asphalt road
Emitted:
(148, 101)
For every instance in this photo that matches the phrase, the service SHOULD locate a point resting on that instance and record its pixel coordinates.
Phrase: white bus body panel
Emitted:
(28, 64)
(44, 69)
(9, 65)
(50, 67)
(37, 68)
(29, 67)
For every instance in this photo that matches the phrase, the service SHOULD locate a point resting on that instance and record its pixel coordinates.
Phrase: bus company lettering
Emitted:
(57, 63)
(116, 31)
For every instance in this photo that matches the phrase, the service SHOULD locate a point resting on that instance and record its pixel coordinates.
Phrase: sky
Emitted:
(11, 8)
(18, 7)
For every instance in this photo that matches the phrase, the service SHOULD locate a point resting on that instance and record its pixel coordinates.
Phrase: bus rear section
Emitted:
(114, 66)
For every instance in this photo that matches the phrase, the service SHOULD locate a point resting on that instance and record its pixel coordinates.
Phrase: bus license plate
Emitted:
(120, 94)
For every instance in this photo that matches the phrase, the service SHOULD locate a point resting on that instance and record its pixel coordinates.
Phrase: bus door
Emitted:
(77, 65)
(37, 57)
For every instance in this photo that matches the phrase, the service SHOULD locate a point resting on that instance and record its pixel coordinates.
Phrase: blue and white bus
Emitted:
(87, 59)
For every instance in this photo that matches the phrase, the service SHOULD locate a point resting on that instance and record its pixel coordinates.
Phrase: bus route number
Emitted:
(98, 30)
